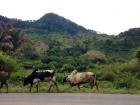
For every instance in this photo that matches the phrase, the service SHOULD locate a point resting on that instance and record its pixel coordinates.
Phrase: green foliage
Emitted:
(54, 23)
(32, 65)
(125, 81)
(8, 63)
(49, 23)
(109, 76)
(47, 59)
(94, 57)
(81, 67)
(28, 65)
(17, 77)
(67, 68)
(59, 78)
(10, 38)
(132, 69)
(137, 53)
(68, 47)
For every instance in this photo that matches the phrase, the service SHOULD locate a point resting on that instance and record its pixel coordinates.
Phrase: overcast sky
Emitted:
(106, 16)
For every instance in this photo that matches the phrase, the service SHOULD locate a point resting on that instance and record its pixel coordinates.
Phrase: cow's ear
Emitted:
(23, 77)
(64, 74)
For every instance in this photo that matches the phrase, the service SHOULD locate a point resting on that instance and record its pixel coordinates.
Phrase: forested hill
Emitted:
(50, 28)
(49, 23)
(53, 42)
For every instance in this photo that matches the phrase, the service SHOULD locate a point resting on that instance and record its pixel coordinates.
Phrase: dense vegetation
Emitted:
(53, 42)
(49, 23)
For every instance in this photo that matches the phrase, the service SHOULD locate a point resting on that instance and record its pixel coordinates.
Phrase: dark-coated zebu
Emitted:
(41, 76)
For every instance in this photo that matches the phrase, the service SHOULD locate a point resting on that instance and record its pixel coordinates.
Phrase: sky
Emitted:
(105, 16)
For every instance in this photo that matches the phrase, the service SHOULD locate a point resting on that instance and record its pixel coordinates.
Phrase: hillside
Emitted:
(49, 23)
(52, 29)
(53, 42)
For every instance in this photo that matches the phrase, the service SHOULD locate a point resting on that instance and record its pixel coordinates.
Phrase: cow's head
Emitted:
(25, 81)
(65, 79)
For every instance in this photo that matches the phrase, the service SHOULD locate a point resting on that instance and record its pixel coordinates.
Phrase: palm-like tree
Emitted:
(10, 38)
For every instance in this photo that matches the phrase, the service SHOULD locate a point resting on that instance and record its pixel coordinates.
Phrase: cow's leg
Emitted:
(31, 86)
(96, 84)
(50, 86)
(91, 85)
(37, 87)
(55, 83)
(1, 85)
(78, 86)
(6, 84)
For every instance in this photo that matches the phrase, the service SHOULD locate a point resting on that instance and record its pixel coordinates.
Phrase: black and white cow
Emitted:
(41, 76)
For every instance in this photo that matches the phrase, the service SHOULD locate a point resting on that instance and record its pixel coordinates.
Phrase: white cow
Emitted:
(77, 78)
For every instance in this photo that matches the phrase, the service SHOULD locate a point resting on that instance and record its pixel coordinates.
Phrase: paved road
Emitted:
(67, 99)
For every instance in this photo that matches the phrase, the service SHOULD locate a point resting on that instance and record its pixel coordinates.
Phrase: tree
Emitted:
(10, 38)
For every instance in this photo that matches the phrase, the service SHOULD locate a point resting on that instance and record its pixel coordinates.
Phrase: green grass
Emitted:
(43, 87)
(16, 85)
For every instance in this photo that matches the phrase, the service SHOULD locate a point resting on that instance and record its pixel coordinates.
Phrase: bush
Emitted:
(137, 54)
(109, 76)
(16, 77)
(54, 65)
(48, 59)
(37, 65)
(8, 64)
(132, 69)
(95, 56)
(28, 66)
(31, 54)
(81, 68)
(41, 66)
(51, 66)
(125, 81)
(67, 68)
(60, 78)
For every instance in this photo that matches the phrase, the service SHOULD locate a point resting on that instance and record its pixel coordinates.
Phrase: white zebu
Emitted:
(77, 78)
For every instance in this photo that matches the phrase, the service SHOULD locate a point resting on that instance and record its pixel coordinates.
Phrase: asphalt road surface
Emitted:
(68, 99)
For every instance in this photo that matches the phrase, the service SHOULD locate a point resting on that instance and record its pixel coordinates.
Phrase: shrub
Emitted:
(125, 81)
(28, 66)
(137, 54)
(108, 76)
(8, 63)
(133, 69)
(60, 78)
(37, 65)
(81, 68)
(16, 77)
(67, 68)
(95, 56)
(48, 59)
(54, 65)
(41, 66)
(31, 54)
(51, 66)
